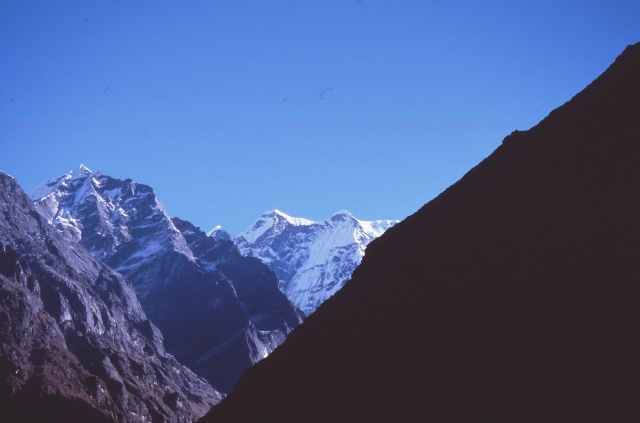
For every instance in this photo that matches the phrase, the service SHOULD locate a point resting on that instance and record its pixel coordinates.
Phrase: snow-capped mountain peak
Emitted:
(297, 221)
(54, 184)
(342, 213)
(218, 233)
(269, 224)
(80, 172)
(116, 205)
(313, 260)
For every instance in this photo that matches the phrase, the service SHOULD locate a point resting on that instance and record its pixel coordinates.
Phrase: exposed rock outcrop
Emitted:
(219, 312)
(75, 342)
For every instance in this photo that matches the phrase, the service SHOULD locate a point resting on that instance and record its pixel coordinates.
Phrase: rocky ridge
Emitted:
(313, 260)
(76, 344)
(198, 291)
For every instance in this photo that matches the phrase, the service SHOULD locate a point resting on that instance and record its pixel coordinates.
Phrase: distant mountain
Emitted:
(514, 296)
(206, 298)
(75, 343)
(219, 233)
(313, 260)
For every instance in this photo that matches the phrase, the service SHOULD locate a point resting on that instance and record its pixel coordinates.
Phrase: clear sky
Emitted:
(231, 108)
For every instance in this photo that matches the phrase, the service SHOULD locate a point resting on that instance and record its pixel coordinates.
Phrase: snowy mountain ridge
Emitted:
(76, 343)
(219, 312)
(273, 222)
(313, 260)
(65, 201)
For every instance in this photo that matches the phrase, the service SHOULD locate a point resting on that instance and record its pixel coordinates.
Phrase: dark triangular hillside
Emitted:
(514, 296)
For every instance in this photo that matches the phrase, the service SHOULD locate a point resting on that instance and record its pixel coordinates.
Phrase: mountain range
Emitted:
(219, 312)
(217, 304)
(511, 297)
(76, 345)
(312, 260)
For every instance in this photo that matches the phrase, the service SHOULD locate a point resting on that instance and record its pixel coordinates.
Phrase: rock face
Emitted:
(206, 298)
(512, 296)
(313, 260)
(76, 345)
(270, 314)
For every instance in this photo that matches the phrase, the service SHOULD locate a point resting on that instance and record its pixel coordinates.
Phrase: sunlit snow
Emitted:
(313, 260)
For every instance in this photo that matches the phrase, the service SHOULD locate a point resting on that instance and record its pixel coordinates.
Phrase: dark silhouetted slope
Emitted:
(514, 296)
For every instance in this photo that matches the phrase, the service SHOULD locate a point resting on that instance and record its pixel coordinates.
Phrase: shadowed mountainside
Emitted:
(75, 343)
(512, 296)
(219, 312)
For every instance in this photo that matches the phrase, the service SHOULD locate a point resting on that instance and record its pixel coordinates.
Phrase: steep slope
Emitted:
(512, 296)
(76, 345)
(206, 325)
(313, 260)
(271, 314)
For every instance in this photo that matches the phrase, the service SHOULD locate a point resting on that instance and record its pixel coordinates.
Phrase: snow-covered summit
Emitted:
(80, 172)
(54, 184)
(342, 213)
(313, 260)
(218, 233)
(298, 221)
(269, 224)
(117, 208)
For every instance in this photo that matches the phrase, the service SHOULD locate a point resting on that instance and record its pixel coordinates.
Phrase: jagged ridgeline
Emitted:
(76, 345)
(219, 312)
(514, 296)
(313, 260)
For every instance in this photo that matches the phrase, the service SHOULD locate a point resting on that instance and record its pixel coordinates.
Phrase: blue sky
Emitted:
(220, 106)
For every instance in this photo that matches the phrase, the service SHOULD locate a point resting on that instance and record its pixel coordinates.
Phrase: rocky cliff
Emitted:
(76, 344)
(209, 301)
